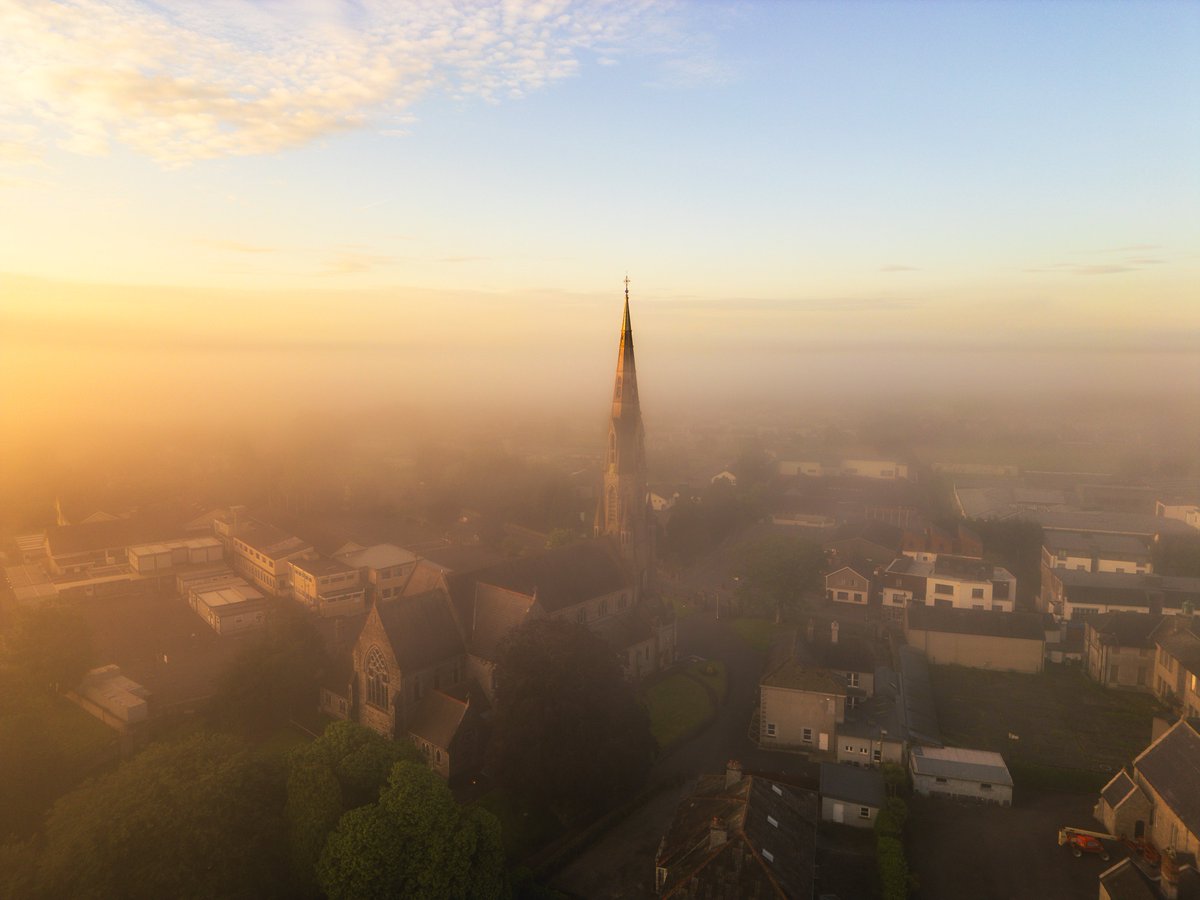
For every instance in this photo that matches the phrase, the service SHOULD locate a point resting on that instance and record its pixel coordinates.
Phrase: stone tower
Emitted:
(623, 511)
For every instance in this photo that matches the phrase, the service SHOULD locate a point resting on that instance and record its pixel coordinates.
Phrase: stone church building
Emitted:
(424, 662)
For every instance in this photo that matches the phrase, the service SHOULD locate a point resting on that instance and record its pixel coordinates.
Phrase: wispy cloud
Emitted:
(353, 262)
(180, 81)
(234, 246)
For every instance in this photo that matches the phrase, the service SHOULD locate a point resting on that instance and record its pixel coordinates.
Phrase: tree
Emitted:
(775, 572)
(273, 678)
(568, 731)
(416, 841)
(341, 770)
(198, 818)
(50, 647)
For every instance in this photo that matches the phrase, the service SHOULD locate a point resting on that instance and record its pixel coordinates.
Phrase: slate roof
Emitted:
(494, 612)
(883, 533)
(421, 629)
(1171, 765)
(322, 565)
(561, 577)
(795, 675)
(1123, 881)
(1122, 546)
(270, 541)
(1180, 637)
(437, 718)
(852, 784)
(849, 654)
(1117, 789)
(917, 709)
(983, 622)
(1124, 629)
(1127, 588)
(758, 859)
(960, 763)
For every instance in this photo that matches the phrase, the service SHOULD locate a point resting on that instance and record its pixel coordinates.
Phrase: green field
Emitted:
(684, 700)
(1069, 731)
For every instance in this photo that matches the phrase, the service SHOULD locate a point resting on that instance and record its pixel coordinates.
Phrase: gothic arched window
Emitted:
(612, 507)
(377, 679)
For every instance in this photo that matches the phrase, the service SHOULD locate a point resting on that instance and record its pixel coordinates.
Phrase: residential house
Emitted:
(848, 585)
(1119, 649)
(800, 708)
(1177, 663)
(851, 795)
(960, 773)
(1157, 797)
(739, 836)
(977, 638)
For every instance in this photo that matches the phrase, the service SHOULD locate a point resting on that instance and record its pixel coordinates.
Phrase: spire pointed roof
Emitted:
(625, 392)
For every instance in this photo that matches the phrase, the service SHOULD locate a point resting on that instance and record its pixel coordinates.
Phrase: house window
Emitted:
(806, 735)
(943, 589)
(843, 595)
(985, 786)
(849, 748)
(377, 679)
(770, 729)
(852, 679)
(877, 755)
(862, 750)
(976, 593)
(864, 812)
(940, 780)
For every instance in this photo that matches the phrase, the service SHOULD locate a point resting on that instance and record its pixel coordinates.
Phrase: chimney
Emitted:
(717, 836)
(733, 773)
(833, 630)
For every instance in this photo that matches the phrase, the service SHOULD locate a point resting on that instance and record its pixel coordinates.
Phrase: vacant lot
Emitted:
(1060, 719)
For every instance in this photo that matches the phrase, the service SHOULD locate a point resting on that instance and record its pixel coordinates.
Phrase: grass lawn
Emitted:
(758, 633)
(677, 704)
(524, 826)
(1063, 721)
(713, 674)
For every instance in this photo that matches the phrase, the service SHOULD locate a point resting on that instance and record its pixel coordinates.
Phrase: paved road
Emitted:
(621, 864)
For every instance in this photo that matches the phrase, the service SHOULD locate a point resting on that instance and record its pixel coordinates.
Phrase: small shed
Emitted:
(961, 773)
(851, 795)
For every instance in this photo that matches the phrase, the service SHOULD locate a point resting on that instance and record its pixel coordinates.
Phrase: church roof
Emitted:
(559, 578)
(421, 630)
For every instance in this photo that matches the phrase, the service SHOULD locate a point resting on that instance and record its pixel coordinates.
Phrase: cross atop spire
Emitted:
(626, 288)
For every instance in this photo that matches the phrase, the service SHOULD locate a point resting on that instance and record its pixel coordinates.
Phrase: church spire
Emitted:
(625, 392)
(623, 510)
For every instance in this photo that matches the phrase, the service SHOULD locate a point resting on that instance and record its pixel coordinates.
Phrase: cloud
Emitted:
(234, 246)
(462, 259)
(898, 268)
(180, 81)
(352, 262)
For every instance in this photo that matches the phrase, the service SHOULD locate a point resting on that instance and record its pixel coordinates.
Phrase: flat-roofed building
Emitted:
(385, 567)
(263, 555)
(165, 556)
(328, 587)
(961, 773)
(948, 581)
(1085, 552)
(978, 638)
(111, 697)
(1071, 594)
(230, 609)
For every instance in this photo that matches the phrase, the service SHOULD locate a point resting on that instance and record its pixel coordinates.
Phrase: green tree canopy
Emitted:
(49, 646)
(274, 677)
(776, 572)
(416, 841)
(198, 818)
(341, 770)
(568, 731)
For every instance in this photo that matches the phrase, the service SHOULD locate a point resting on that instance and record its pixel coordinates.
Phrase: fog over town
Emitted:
(586, 449)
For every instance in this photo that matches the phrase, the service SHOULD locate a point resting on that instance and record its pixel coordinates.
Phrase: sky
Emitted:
(301, 199)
